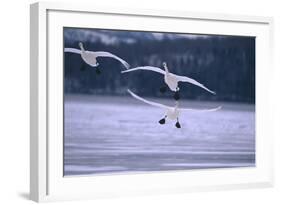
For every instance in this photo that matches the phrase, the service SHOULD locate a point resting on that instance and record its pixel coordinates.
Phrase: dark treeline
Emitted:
(225, 64)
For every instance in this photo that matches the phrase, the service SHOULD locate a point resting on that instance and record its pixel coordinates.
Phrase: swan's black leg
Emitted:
(177, 95)
(83, 66)
(98, 71)
(163, 121)
(178, 125)
(163, 89)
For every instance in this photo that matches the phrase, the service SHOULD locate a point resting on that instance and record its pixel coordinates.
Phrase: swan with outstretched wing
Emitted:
(170, 79)
(171, 113)
(90, 57)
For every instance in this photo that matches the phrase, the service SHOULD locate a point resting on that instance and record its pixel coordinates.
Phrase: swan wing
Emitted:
(194, 82)
(147, 101)
(151, 68)
(72, 50)
(110, 55)
(201, 110)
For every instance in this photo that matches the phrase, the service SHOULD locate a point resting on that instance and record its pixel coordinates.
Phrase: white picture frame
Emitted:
(46, 180)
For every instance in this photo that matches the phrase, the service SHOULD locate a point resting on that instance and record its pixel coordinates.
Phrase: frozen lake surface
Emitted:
(121, 134)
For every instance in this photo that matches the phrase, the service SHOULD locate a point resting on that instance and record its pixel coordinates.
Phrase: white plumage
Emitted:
(171, 113)
(170, 79)
(90, 57)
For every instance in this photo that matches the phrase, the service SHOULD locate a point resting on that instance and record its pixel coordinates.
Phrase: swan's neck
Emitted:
(177, 105)
(82, 48)
(166, 70)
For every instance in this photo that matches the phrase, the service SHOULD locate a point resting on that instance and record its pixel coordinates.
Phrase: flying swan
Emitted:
(172, 80)
(171, 113)
(90, 57)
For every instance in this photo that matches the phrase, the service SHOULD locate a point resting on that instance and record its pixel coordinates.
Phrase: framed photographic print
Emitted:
(130, 102)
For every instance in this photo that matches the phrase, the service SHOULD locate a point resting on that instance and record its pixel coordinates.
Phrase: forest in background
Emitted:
(225, 64)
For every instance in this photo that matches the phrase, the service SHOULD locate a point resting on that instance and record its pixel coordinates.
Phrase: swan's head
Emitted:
(81, 45)
(165, 66)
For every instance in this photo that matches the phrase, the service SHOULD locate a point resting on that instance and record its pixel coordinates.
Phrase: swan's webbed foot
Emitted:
(177, 95)
(163, 89)
(178, 125)
(98, 71)
(162, 121)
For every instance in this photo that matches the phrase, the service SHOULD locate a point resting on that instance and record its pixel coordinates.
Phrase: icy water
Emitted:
(120, 134)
